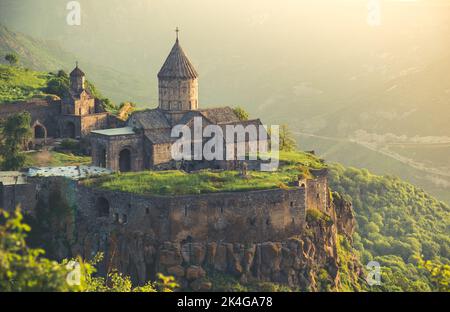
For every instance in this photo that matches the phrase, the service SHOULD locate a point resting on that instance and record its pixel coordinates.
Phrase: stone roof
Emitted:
(149, 119)
(245, 123)
(77, 72)
(160, 136)
(177, 65)
(219, 115)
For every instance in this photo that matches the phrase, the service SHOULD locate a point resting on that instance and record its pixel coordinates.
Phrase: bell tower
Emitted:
(77, 80)
(178, 82)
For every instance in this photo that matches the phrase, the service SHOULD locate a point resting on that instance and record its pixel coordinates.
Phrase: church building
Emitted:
(146, 142)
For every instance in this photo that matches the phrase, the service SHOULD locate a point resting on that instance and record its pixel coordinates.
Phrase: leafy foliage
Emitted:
(19, 84)
(241, 113)
(15, 131)
(287, 140)
(396, 224)
(12, 58)
(25, 269)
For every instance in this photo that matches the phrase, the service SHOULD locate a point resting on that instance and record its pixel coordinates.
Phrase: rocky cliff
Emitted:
(305, 262)
(311, 261)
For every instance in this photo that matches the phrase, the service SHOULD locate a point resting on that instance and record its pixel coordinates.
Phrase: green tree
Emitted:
(439, 274)
(287, 141)
(23, 268)
(26, 269)
(11, 58)
(15, 131)
(58, 86)
(241, 113)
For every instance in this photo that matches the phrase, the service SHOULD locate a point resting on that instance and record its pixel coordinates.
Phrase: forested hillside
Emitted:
(397, 224)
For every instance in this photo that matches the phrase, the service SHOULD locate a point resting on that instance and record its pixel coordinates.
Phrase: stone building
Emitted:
(145, 142)
(79, 112)
(73, 116)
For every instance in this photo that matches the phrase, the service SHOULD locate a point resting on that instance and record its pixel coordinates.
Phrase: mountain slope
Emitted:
(49, 56)
(416, 103)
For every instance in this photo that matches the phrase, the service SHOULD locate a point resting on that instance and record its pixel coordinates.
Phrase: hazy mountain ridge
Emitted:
(49, 56)
(413, 104)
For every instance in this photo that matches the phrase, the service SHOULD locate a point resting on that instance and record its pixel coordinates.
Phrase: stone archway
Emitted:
(69, 130)
(125, 160)
(40, 132)
(102, 157)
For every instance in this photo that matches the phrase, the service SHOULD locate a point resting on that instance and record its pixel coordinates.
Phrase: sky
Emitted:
(310, 53)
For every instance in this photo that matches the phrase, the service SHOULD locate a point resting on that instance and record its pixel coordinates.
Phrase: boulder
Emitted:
(201, 285)
(176, 271)
(194, 272)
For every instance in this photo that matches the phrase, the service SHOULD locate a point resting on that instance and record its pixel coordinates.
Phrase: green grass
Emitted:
(55, 159)
(19, 84)
(206, 181)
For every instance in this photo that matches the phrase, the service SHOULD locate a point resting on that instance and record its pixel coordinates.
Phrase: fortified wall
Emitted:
(260, 235)
(42, 113)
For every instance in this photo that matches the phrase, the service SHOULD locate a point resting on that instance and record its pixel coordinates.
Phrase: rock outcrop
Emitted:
(302, 262)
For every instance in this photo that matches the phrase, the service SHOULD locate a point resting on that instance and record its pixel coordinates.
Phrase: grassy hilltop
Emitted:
(206, 181)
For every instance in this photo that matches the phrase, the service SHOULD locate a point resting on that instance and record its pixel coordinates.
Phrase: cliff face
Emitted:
(309, 261)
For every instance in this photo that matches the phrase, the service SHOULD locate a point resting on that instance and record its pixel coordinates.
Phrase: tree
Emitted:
(287, 141)
(12, 59)
(26, 269)
(15, 131)
(22, 268)
(438, 273)
(241, 113)
(58, 85)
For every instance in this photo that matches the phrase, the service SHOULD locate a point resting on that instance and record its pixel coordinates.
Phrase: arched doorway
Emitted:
(102, 206)
(125, 160)
(39, 132)
(102, 157)
(70, 130)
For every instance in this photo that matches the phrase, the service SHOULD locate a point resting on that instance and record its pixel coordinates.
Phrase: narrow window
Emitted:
(125, 219)
(185, 211)
(147, 211)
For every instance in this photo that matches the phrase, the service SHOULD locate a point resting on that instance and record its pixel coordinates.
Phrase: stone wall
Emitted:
(18, 195)
(318, 194)
(178, 94)
(113, 145)
(253, 216)
(93, 122)
(252, 236)
(44, 111)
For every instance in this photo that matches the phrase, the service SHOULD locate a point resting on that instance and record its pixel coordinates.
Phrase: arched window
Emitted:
(102, 206)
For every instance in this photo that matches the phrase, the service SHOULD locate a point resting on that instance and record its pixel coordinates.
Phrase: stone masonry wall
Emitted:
(42, 110)
(254, 216)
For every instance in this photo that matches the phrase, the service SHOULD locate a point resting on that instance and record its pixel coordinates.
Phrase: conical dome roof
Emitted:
(177, 65)
(77, 72)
